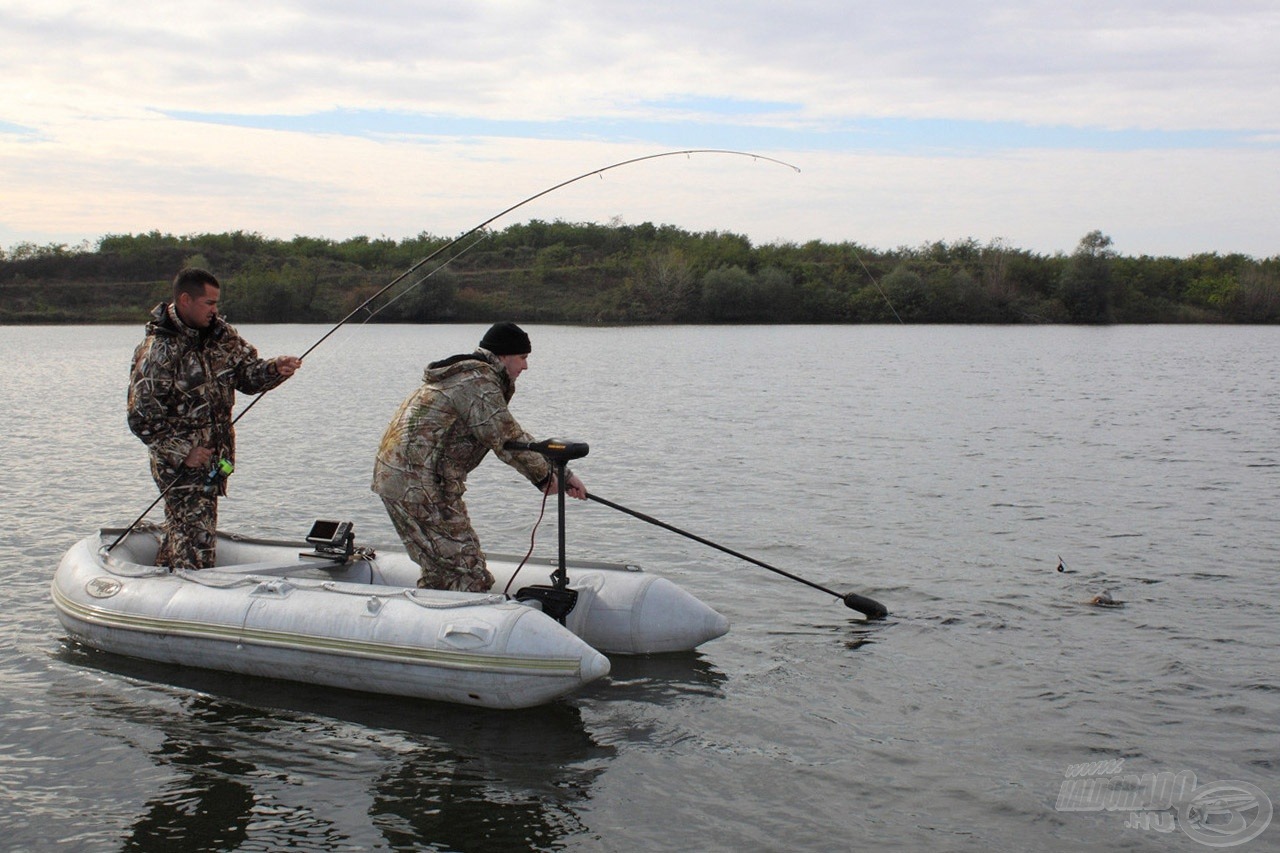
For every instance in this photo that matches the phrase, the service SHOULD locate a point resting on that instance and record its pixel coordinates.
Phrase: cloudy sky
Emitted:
(1028, 122)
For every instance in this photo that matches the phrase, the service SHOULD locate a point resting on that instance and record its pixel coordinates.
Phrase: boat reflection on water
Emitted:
(211, 801)
(657, 679)
(280, 765)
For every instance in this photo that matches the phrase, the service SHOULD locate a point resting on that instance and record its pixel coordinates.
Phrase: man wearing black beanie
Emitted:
(506, 339)
(440, 433)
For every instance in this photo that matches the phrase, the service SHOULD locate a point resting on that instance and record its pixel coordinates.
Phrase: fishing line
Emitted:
(687, 152)
(877, 286)
(332, 354)
(484, 236)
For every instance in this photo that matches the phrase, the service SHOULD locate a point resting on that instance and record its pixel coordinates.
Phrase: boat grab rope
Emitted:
(412, 595)
(204, 578)
(212, 579)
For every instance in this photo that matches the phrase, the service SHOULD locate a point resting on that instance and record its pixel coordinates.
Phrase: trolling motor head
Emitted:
(555, 449)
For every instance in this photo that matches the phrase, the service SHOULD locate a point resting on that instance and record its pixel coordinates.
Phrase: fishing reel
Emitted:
(221, 470)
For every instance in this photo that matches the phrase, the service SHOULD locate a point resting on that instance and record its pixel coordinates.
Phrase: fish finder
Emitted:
(333, 540)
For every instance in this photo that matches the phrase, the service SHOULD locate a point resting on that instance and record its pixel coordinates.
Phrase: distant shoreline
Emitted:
(558, 272)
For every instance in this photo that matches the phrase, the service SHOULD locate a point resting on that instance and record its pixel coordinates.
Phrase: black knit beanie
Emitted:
(506, 339)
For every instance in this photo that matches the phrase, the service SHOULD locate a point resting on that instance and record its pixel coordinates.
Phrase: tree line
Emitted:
(563, 272)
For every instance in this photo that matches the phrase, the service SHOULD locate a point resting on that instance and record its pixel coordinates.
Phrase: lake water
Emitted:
(942, 471)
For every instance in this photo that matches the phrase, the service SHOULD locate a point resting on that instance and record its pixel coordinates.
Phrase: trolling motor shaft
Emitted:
(557, 600)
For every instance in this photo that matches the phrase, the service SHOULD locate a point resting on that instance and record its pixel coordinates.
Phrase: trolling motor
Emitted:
(556, 600)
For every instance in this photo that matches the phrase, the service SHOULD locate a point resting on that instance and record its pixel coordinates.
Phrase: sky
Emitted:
(1028, 123)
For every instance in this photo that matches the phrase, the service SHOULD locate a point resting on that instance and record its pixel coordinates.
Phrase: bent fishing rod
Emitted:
(466, 234)
(688, 152)
(868, 607)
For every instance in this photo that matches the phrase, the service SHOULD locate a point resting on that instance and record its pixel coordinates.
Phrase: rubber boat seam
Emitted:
(331, 645)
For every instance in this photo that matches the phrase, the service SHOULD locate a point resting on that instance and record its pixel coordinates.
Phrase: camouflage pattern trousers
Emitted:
(440, 539)
(190, 529)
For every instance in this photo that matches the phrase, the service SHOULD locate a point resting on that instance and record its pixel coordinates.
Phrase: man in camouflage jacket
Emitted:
(440, 433)
(182, 388)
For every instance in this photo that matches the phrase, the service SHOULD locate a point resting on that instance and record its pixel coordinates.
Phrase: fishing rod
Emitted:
(447, 246)
(688, 152)
(868, 607)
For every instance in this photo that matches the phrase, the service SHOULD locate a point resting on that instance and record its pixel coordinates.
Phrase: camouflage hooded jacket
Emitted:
(183, 386)
(443, 430)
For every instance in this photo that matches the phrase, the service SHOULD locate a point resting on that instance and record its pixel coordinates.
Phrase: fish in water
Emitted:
(1102, 599)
